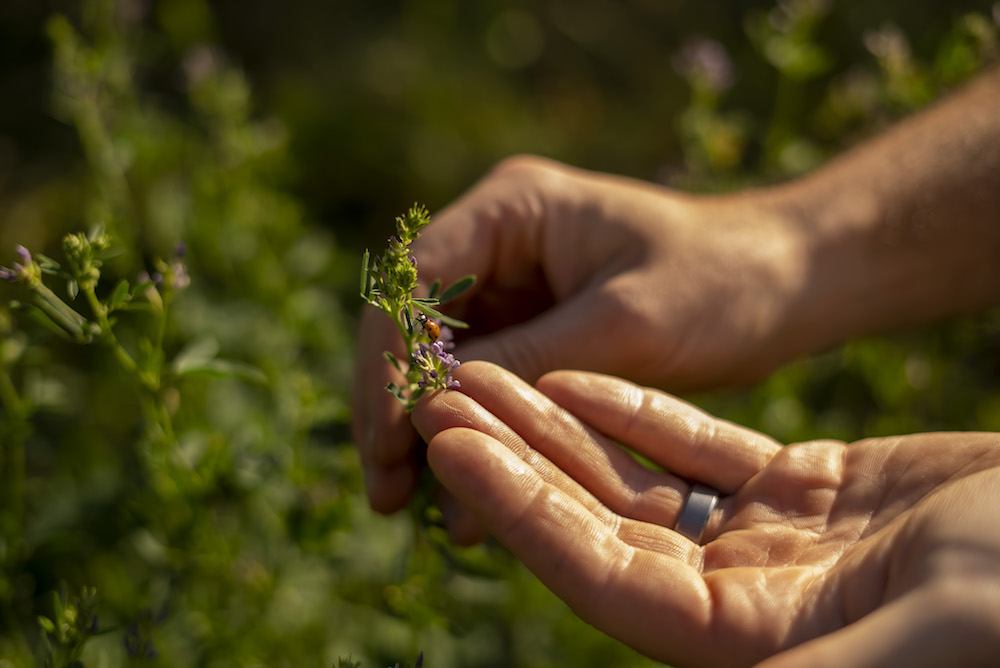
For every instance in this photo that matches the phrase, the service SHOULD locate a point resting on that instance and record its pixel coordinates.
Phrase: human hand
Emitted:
(589, 271)
(882, 552)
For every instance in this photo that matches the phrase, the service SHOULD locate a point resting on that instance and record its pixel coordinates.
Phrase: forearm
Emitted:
(905, 229)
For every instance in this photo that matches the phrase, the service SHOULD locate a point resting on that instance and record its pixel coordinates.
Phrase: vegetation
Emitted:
(191, 185)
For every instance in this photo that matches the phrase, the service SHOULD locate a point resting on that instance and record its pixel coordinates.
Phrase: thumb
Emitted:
(572, 335)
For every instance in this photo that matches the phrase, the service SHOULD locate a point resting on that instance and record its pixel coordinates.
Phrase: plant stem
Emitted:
(150, 381)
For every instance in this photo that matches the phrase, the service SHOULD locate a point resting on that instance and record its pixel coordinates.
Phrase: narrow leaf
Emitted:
(119, 296)
(408, 320)
(45, 262)
(435, 289)
(47, 625)
(195, 355)
(40, 317)
(366, 283)
(454, 323)
(60, 313)
(220, 368)
(457, 288)
(392, 360)
(445, 320)
(95, 232)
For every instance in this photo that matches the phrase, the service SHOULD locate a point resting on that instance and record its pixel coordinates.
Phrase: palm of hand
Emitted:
(807, 538)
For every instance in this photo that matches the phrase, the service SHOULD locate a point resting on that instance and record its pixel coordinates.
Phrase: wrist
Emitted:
(902, 230)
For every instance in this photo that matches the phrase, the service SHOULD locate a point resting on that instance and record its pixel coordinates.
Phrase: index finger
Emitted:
(651, 600)
(672, 433)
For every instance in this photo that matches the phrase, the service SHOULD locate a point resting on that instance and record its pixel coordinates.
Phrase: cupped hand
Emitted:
(882, 552)
(589, 271)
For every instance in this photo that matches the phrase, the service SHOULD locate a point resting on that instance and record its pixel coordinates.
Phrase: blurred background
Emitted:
(277, 141)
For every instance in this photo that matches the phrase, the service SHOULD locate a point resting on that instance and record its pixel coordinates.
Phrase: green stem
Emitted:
(150, 381)
(61, 314)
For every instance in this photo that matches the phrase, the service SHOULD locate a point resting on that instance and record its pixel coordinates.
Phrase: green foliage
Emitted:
(73, 622)
(174, 433)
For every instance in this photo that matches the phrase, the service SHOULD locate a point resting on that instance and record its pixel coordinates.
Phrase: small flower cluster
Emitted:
(436, 366)
(173, 275)
(85, 254)
(25, 271)
(73, 622)
(705, 63)
(389, 282)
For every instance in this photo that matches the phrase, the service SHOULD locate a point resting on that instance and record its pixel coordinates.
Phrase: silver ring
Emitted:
(697, 510)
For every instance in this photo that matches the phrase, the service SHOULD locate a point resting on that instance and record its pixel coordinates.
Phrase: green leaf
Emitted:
(95, 232)
(60, 312)
(408, 320)
(110, 254)
(40, 317)
(366, 282)
(435, 289)
(57, 603)
(46, 263)
(72, 288)
(457, 288)
(46, 624)
(445, 320)
(392, 360)
(221, 368)
(196, 355)
(120, 296)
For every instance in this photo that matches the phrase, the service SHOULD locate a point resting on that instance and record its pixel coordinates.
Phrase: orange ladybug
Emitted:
(431, 327)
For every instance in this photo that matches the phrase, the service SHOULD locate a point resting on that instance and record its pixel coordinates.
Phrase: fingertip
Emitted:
(479, 368)
(390, 489)
(452, 455)
(558, 380)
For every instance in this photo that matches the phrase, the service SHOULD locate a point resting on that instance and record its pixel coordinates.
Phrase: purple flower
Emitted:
(446, 337)
(180, 274)
(705, 61)
(20, 269)
(436, 366)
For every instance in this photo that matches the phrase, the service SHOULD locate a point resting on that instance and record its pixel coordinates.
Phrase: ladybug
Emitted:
(431, 327)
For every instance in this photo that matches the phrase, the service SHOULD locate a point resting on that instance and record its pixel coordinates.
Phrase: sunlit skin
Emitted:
(590, 271)
(881, 552)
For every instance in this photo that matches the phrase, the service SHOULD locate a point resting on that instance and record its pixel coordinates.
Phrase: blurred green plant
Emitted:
(207, 490)
(73, 622)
